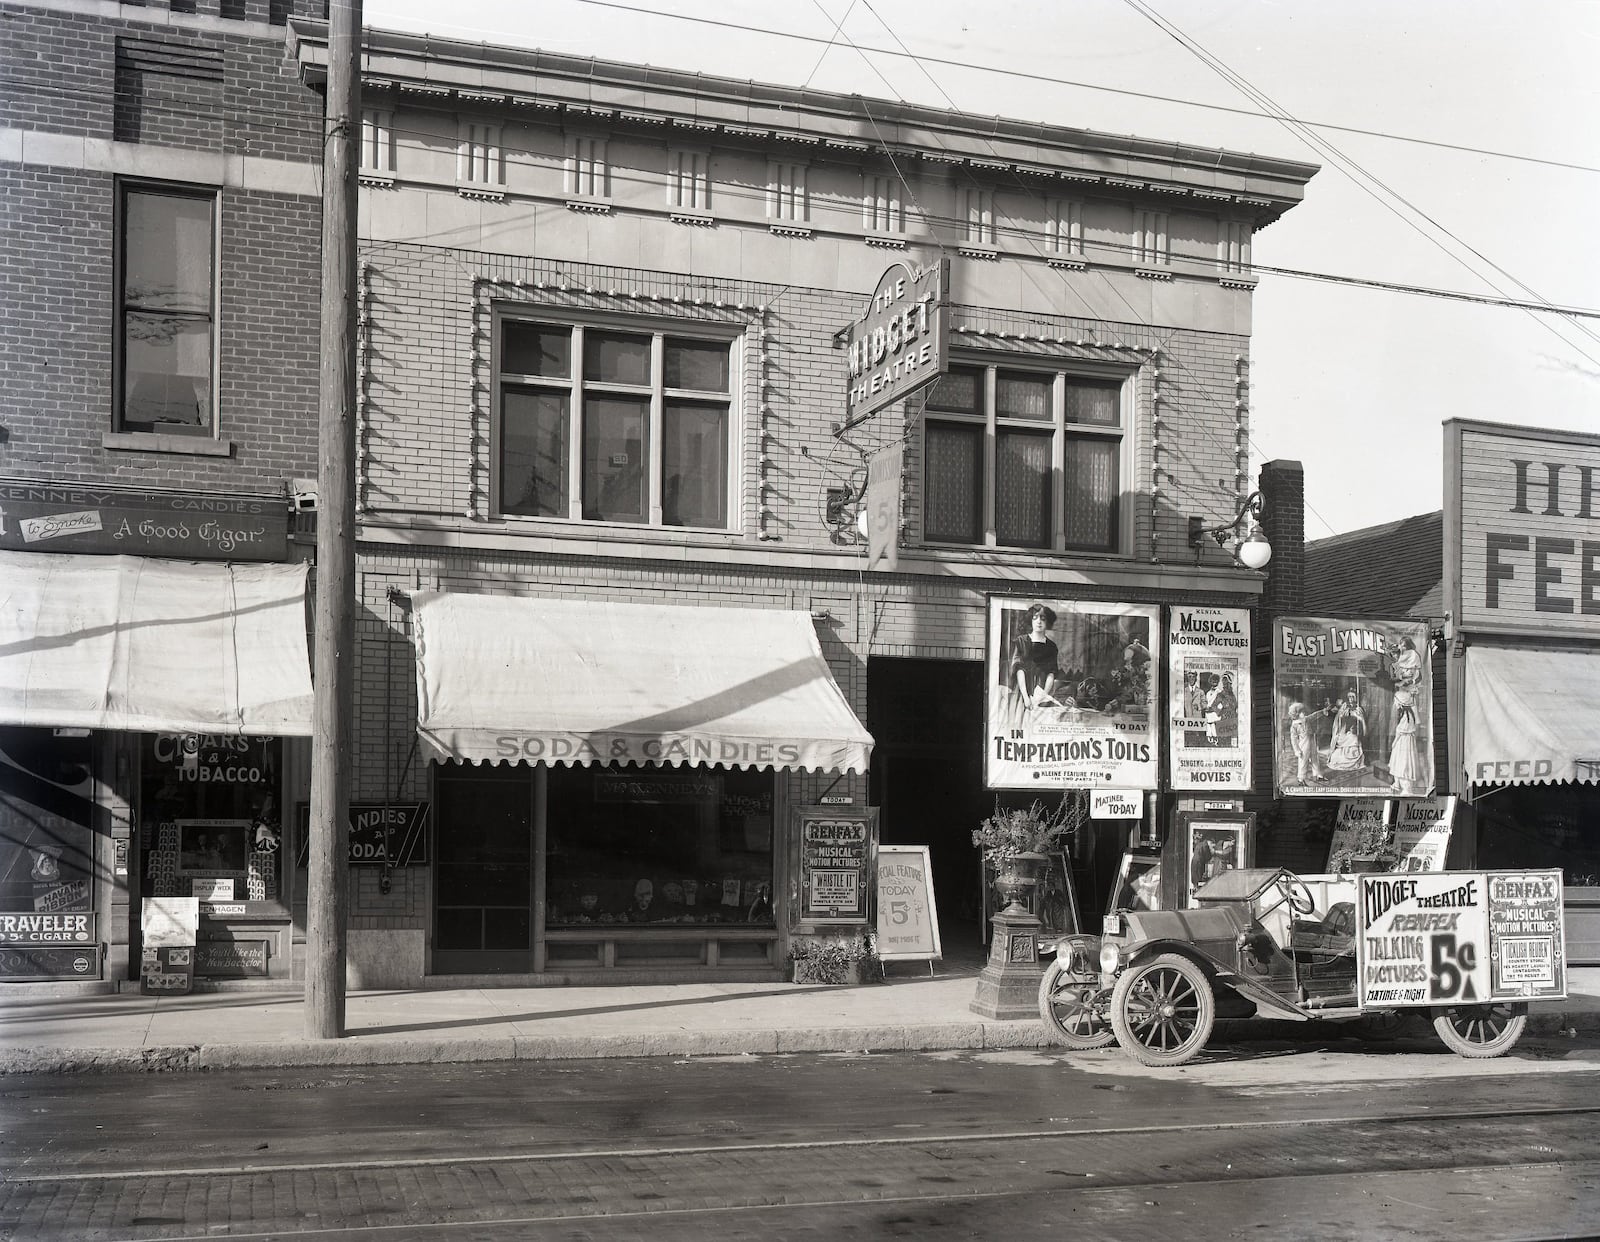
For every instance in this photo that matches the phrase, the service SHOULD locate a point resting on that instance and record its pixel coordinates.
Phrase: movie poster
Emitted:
(1352, 708)
(1070, 690)
(1208, 724)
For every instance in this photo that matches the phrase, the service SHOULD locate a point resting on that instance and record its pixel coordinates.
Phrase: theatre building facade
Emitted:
(618, 633)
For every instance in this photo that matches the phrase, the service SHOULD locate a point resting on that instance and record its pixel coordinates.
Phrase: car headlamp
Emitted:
(1110, 958)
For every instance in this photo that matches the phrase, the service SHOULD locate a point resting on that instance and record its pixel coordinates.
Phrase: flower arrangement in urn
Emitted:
(1035, 829)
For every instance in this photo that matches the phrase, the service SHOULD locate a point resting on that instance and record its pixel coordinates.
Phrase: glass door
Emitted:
(483, 869)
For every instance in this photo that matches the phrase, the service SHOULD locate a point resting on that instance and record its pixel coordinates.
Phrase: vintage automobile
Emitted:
(1259, 942)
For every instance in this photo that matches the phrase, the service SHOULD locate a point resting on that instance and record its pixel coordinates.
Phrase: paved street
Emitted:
(1374, 1141)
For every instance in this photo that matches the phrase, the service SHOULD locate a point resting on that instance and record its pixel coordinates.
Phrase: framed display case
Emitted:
(1205, 844)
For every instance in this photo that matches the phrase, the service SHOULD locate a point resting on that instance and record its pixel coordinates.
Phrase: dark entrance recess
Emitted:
(926, 720)
(483, 878)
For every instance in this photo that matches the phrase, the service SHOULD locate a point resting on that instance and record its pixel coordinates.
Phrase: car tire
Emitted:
(1066, 1005)
(1162, 1010)
(1481, 1031)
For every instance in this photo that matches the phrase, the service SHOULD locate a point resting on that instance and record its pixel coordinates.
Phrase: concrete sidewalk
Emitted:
(255, 1030)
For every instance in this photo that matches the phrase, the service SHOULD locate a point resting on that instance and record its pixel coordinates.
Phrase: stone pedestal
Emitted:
(1008, 986)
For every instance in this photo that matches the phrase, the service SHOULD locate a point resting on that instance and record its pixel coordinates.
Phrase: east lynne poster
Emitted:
(1208, 706)
(1352, 708)
(1071, 694)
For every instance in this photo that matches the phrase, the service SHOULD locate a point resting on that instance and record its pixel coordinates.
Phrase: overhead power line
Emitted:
(1024, 75)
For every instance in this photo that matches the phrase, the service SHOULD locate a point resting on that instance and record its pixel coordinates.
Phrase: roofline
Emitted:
(490, 75)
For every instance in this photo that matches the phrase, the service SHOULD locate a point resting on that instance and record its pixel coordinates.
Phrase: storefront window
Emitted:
(208, 816)
(47, 796)
(1539, 827)
(659, 846)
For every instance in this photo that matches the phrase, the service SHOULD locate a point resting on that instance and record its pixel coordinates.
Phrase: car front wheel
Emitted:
(1490, 1030)
(1162, 1010)
(1072, 1005)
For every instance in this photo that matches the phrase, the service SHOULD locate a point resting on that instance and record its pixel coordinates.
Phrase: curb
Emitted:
(972, 1036)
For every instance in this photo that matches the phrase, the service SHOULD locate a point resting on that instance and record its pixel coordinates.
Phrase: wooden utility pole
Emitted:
(327, 899)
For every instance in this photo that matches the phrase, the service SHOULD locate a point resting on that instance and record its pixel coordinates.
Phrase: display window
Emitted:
(209, 818)
(652, 846)
(1542, 826)
(47, 800)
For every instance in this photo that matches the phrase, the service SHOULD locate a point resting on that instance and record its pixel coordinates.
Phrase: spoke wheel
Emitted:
(1162, 1010)
(1073, 1006)
(1490, 1030)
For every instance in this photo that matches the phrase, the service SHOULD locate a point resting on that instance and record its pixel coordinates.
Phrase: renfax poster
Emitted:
(1208, 722)
(1460, 938)
(1352, 708)
(1070, 689)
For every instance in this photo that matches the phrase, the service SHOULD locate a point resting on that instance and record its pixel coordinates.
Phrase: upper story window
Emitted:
(588, 173)
(166, 311)
(1023, 458)
(787, 196)
(479, 160)
(688, 180)
(607, 424)
(377, 141)
(881, 208)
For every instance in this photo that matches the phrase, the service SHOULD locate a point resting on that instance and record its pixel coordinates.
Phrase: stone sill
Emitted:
(154, 442)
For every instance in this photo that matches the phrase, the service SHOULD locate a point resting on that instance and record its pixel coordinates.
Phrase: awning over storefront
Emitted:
(1531, 716)
(148, 645)
(504, 679)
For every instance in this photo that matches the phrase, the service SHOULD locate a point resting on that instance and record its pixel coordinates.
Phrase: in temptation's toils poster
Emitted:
(1070, 697)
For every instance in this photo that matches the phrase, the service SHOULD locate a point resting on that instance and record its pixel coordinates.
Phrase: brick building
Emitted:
(160, 177)
(603, 317)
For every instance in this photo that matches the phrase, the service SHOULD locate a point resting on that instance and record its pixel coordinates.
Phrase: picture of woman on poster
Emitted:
(1036, 660)
(1347, 753)
(1408, 768)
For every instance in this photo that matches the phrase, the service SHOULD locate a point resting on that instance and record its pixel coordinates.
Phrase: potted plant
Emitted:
(1372, 850)
(1018, 844)
(849, 957)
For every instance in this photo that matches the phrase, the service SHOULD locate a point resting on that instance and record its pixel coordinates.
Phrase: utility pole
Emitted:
(327, 880)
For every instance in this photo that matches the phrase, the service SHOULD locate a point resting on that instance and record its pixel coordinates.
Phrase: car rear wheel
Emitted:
(1162, 1010)
(1490, 1030)
(1072, 1003)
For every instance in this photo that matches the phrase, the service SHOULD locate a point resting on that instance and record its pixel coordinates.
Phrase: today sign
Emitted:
(1116, 804)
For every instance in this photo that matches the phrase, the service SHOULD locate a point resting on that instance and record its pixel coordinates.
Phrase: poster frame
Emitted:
(1205, 827)
(1217, 641)
(802, 913)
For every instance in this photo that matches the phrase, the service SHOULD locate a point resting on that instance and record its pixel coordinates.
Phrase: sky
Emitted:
(1459, 142)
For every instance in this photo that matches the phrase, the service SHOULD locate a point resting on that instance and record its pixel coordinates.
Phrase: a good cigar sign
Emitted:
(902, 342)
(1460, 938)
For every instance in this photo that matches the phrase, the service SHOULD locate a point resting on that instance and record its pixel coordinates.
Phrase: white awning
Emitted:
(508, 679)
(146, 645)
(1531, 717)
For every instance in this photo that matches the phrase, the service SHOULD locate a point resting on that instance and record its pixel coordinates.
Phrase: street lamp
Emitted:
(1250, 548)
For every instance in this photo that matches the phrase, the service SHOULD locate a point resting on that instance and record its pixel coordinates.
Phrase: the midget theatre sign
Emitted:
(901, 344)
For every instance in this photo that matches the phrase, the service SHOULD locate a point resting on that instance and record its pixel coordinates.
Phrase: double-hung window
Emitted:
(608, 424)
(166, 311)
(1023, 458)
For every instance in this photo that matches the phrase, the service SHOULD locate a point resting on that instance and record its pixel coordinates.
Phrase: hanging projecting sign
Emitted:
(1208, 651)
(883, 506)
(1352, 708)
(902, 342)
(1069, 688)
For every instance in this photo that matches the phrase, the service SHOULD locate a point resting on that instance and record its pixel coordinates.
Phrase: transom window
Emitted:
(1023, 458)
(166, 320)
(609, 425)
